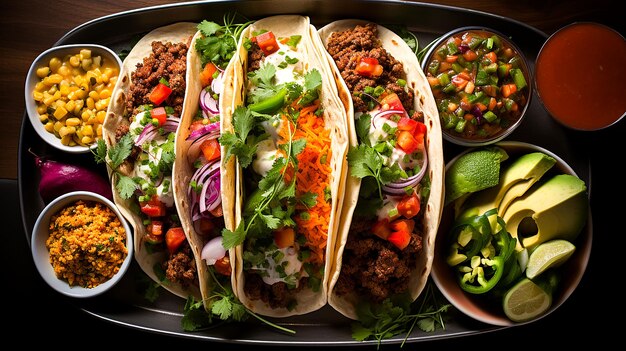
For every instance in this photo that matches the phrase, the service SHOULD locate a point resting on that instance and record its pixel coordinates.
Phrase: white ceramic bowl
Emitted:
(455, 138)
(41, 255)
(31, 80)
(475, 307)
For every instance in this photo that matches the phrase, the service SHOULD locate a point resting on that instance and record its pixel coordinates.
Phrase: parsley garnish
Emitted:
(125, 186)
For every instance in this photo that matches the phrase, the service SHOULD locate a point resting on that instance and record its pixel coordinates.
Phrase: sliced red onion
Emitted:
(213, 251)
(208, 103)
(150, 131)
(400, 186)
(194, 151)
(379, 117)
(212, 127)
(478, 114)
(209, 197)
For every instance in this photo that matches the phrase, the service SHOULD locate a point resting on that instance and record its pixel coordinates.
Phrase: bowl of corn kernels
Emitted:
(67, 92)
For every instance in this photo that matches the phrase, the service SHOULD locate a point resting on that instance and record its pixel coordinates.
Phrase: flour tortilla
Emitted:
(178, 32)
(183, 171)
(335, 119)
(424, 101)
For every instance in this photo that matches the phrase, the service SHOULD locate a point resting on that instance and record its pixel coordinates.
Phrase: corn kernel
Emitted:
(49, 127)
(99, 130)
(65, 140)
(60, 112)
(85, 53)
(94, 95)
(86, 140)
(65, 89)
(64, 71)
(75, 61)
(90, 103)
(72, 122)
(70, 105)
(48, 100)
(81, 94)
(105, 93)
(41, 109)
(59, 103)
(100, 116)
(85, 115)
(104, 78)
(87, 130)
(43, 118)
(38, 96)
(54, 64)
(57, 126)
(43, 72)
(102, 105)
(40, 86)
(86, 64)
(79, 106)
(53, 89)
(63, 131)
(97, 61)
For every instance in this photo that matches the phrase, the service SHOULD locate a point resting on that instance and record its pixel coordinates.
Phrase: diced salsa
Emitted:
(480, 84)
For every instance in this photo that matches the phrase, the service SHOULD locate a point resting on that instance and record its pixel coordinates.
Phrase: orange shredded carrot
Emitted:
(312, 176)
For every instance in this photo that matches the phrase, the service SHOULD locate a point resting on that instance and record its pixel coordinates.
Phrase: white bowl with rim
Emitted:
(32, 79)
(41, 255)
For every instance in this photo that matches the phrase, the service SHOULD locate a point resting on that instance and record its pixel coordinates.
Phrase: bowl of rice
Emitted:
(81, 244)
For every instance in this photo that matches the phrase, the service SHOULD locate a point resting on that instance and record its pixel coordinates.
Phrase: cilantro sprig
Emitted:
(223, 305)
(391, 318)
(261, 208)
(219, 42)
(117, 154)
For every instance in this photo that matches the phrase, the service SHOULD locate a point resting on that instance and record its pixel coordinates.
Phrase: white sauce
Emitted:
(266, 153)
(292, 266)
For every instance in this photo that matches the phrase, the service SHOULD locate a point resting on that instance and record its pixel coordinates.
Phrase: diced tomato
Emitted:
(406, 225)
(508, 89)
(452, 58)
(492, 56)
(420, 129)
(407, 142)
(381, 229)
(400, 239)
(470, 55)
(391, 102)
(153, 208)
(369, 67)
(155, 228)
(174, 237)
(408, 124)
(160, 93)
(159, 115)
(409, 206)
(210, 149)
(206, 76)
(222, 266)
(267, 42)
(284, 237)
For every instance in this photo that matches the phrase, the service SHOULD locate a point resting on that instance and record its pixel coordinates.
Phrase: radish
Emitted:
(59, 178)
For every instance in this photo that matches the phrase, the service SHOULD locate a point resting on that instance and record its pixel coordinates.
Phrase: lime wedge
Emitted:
(547, 255)
(526, 301)
(473, 171)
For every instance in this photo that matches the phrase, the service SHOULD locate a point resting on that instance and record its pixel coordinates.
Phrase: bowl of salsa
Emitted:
(481, 82)
(583, 92)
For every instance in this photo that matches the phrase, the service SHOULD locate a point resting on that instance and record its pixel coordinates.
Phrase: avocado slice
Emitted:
(515, 179)
(558, 207)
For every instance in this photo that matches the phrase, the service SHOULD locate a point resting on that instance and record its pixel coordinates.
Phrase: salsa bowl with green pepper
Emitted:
(481, 82)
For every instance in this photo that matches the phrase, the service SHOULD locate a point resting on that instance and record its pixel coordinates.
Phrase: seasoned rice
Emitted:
(87, 243)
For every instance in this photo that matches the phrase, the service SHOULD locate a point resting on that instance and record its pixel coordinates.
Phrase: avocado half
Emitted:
(557, 206)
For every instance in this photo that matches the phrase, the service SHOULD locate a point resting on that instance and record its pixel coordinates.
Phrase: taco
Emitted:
(203, 192)
(393, 199)
(288, 136)
(139, 132)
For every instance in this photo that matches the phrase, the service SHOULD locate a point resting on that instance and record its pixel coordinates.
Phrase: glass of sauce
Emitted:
(580, 74)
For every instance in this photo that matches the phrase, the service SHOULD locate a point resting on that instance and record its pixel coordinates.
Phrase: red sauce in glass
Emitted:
(581, 76)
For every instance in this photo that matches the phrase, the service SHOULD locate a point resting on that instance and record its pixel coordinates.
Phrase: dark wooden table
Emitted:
(30, 27)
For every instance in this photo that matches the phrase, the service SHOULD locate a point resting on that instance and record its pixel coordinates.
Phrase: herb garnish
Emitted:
(220, 42)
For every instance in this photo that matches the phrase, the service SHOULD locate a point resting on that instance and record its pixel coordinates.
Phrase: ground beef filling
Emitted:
(371, 267)
(277, 295)
(374, 268)
(349, 46)
(167, 61)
